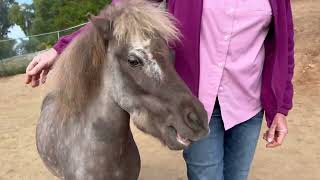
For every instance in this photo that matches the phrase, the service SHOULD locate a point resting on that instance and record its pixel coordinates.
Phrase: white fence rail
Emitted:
(30, 44)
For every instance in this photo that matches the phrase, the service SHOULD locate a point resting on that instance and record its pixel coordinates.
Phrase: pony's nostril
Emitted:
(192, 116)
(193, 121)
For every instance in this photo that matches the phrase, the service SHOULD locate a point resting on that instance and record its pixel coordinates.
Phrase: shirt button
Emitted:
(220, 88)
(220, 64)
(226, 37)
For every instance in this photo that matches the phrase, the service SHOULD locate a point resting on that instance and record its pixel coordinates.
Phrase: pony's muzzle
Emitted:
(193, 121)
(198, 123)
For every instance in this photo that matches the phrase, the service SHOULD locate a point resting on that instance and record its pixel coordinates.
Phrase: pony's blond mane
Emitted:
(80, 66)
(141, 19)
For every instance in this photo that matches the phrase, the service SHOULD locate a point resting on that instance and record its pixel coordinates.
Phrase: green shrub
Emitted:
(15, 65)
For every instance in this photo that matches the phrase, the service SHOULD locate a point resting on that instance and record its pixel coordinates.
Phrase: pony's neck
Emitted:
(108, 122)
(112, 130)
(109, 117)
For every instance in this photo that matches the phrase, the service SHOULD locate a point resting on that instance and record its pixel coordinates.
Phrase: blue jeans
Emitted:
(224, 155)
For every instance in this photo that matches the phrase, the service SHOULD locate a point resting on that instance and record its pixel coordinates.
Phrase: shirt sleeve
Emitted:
(288, 96)
(64, 41)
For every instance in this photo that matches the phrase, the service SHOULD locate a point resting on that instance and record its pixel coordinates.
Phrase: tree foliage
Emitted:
(52, 15)
(42, 16)
(7, 49)
(5, 23)
(22, 15)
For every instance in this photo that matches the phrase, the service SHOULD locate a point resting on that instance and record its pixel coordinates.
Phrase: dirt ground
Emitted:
(297, 159)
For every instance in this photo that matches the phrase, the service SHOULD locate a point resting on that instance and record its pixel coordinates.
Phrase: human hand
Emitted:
(40, 67)
(277, 132)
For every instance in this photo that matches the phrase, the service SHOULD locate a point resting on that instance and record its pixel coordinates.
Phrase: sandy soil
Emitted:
(297, 159)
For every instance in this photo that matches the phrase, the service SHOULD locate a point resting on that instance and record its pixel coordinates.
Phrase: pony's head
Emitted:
(126, 50)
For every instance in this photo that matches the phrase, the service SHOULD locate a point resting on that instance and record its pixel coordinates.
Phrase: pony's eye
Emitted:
(134, 61)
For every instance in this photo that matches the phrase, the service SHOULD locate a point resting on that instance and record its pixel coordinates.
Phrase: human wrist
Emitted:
(283, 111)
(52, 54)
(281, 114)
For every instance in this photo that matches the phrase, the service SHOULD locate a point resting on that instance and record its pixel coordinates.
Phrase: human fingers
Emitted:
(265, 135)
(33, 63)
(35, 80)
(281, 135)
(273, 144)
(278, 139)
(38, 68)
(44, 75)
(28, 79)
(271, 132)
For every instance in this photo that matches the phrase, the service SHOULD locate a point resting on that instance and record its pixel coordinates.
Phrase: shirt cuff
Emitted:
(283, 111)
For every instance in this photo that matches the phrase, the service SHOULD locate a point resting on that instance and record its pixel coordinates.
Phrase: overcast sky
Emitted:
(24, 1)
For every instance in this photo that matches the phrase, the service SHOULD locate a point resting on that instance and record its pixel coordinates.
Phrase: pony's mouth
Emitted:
(180, 139)
(183, 141)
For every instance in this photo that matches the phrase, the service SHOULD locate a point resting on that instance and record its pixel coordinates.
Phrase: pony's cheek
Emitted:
(145, 123)
(140, 120)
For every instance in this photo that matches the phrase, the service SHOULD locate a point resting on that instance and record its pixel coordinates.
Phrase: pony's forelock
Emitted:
(139, 19)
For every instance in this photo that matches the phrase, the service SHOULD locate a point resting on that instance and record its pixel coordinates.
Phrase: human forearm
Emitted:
(64, 41)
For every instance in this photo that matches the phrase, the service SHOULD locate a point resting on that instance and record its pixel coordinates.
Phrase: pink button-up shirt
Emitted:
(232, 56)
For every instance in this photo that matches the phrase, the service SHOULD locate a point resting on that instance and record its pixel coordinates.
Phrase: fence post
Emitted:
(58, 34)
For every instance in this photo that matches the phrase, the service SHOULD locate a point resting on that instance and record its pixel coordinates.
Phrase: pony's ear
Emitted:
(102, 25)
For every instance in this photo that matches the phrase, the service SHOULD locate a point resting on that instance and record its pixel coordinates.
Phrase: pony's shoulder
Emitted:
(49, 99)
